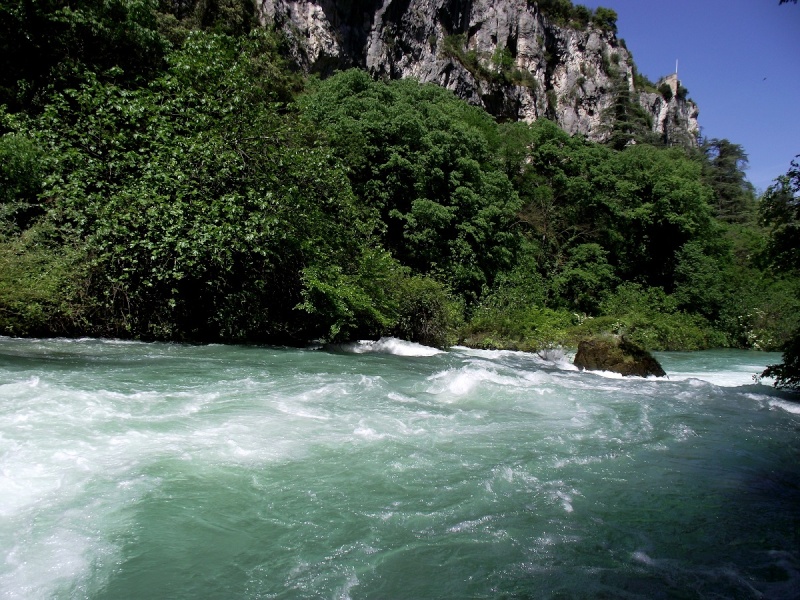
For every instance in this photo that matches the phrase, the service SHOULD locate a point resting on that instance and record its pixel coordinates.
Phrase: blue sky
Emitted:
(740, 61)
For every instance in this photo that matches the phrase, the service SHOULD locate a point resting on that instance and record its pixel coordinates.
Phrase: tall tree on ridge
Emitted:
(724, 172)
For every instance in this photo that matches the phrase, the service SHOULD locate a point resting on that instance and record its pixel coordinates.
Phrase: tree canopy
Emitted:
(780, 210)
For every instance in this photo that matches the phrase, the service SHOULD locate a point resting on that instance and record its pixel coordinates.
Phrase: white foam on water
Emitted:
(57, 447)
(390, 345)
(723, 369)
(470, 525)
(488, 354)
(641, 557)
(790, 407)
(726, 379)
(239, 441)
(402, 398)
(16, 387)
(566, 501)
(607, 374)
(682, 432)
(40, 569)
(55, 406)
(540, 378)
(67, 546)
(23, 484)
(464, 380)
(368, 433)
(298, 410)
(580, 460)
(344, 592)
(557, 358)
(614, 375)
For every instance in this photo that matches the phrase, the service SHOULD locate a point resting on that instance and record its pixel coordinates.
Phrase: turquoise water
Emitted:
(388, 470)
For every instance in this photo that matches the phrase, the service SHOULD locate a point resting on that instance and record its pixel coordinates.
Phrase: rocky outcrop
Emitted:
(618, 355)
(674, 117)
(502, 55)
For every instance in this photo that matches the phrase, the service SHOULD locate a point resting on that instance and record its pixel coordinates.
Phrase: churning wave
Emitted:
(388, 345)
(372, 471)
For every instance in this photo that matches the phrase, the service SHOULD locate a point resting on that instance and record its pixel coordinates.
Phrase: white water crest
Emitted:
(389, 345)
(390, 470)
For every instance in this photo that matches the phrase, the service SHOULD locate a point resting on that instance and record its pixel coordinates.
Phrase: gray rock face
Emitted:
(502, 55)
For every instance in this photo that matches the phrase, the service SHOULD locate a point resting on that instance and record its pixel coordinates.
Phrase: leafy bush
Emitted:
(51, 44)
(760, 312)
(559, 11)
(427, 313)
(650, 313)
(650, 317)
(787, 373)
(605, 19)
(354, 303)
(642, 84)
(564, 13)
(177, 18)
(21, 180)
(527, 328)
(580, 17)
(585, 279)
(41, 281)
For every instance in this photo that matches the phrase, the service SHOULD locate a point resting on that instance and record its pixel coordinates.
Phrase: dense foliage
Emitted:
(201, 210)
(780, 210)
(424, 164)
(165, 175)
(578, 15)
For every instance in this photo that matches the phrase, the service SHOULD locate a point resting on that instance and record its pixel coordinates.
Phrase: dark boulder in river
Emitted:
(618, 355)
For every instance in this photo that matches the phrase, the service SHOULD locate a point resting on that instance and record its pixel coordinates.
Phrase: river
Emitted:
(390, 470)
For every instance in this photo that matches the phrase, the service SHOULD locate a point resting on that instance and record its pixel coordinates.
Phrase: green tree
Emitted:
(422, 163)
(780, 211)
(724, 170)
(787, 373)
(559, 11)
(176, 18)
(659, 203)
(605, 19)
(21, 180)
(702, 274)
(625, 122)
(50, 43)
(585, 279)
(641, 205)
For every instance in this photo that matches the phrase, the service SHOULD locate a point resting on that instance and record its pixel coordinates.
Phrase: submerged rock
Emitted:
(618, 355)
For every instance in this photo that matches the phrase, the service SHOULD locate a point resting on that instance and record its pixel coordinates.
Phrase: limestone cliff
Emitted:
(503, 55)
